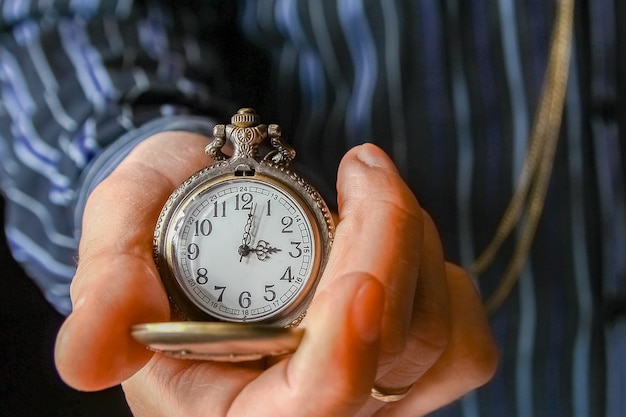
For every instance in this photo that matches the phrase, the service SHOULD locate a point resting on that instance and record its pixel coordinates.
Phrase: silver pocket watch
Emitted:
(240, 247)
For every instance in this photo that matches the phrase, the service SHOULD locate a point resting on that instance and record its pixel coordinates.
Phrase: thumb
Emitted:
(380, 232)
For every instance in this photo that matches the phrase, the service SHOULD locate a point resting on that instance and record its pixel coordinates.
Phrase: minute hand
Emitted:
(244, 249)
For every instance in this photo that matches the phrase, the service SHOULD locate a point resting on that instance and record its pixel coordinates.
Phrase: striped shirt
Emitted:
(448, 88)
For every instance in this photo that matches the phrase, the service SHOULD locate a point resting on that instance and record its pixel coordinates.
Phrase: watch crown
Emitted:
(245, 117)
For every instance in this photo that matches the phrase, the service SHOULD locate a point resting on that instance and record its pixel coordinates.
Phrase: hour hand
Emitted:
(263, 250)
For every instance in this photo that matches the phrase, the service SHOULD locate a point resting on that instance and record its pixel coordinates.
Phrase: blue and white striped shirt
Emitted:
(448, 88)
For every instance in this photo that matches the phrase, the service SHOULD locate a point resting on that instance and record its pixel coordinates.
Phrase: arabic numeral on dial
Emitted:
(287, 222)
(287, 275)
(221, 291)
(201, 277)
(270, 294)
(203, 227)
(216, 207)
(243, 201)
(298, 251)
(245, 299)
(193, 251)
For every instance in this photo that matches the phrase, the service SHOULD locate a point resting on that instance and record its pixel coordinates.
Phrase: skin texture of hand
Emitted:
(389, 310)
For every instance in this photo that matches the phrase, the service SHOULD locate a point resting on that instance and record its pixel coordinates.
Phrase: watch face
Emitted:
(243, 249)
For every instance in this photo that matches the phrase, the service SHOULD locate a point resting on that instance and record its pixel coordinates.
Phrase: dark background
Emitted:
(29, 383)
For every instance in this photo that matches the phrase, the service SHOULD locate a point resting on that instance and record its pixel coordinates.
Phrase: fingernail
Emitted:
(373, 156)
(367, 310)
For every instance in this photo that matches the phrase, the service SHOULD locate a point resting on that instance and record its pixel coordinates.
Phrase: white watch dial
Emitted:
(243, 250)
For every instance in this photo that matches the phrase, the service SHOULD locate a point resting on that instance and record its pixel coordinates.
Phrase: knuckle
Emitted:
(396, 200)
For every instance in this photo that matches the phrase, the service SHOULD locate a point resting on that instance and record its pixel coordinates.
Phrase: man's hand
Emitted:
(389, 310)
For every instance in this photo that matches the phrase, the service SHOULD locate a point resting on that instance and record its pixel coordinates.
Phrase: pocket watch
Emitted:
(240, 247)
